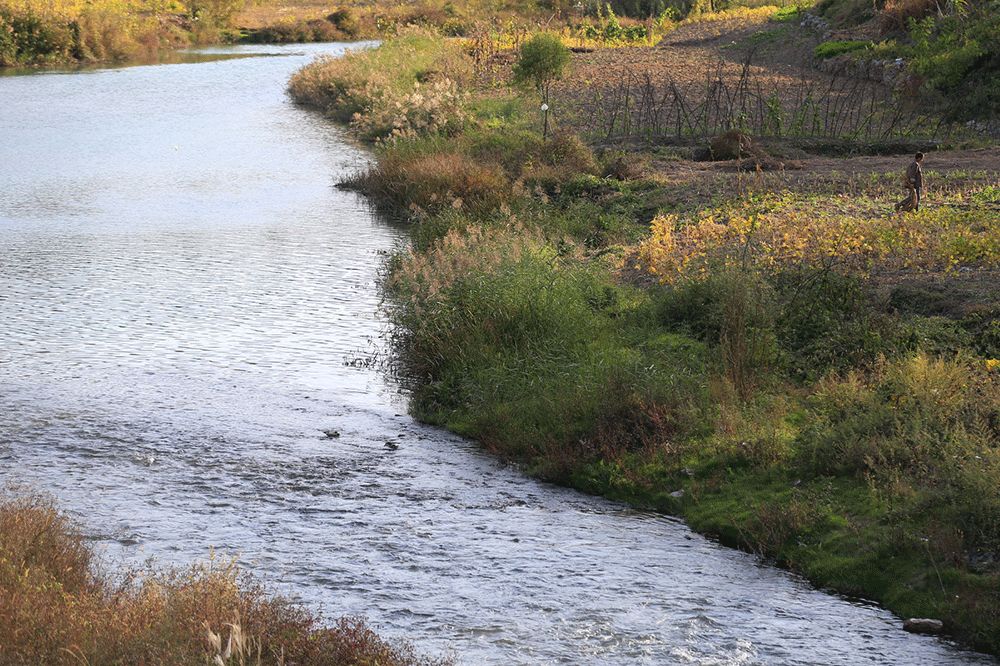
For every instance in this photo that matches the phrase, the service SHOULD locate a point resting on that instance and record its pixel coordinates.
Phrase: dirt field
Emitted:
(708, 76)
(985, 160)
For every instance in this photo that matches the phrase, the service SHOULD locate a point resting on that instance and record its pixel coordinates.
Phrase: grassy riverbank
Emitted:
(33, 32)
(58, 605)
(70, 31)
(770, 354)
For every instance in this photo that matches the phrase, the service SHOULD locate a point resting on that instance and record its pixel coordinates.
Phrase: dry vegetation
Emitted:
(58, 606)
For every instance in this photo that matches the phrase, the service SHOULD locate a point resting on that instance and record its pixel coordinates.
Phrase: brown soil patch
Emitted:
(979, 159)
(757, 63)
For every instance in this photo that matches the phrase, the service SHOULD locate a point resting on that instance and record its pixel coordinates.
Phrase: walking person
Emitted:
(914, 182)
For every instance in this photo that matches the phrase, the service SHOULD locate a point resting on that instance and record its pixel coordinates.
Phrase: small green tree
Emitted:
(542, 60)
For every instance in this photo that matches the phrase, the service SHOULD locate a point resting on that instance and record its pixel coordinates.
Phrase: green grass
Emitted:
(832, 49)
(788, 14)
(806, 415)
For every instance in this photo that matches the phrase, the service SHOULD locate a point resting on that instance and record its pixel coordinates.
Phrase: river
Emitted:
(187, 303)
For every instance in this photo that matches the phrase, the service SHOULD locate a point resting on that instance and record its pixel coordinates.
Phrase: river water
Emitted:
(187, 303)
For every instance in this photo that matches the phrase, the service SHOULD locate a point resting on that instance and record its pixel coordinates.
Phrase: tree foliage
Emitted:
(542, 60)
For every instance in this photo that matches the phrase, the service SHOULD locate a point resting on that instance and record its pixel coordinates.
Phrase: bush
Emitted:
(956, 53)
(541, 61)
(623, 166)
(514, 343)
(345, 21)
(434, 108)
(512, 149)
(316, 30)
(736, 312)
(829, 321)
(423, 179)
(105, 34)
(933, 421)
(896, 15)
(558, 161)
(732, 145)
(983, 326)
(8, 43)
(366, 85)
(847, 13)
(215, 13)
(26, 37)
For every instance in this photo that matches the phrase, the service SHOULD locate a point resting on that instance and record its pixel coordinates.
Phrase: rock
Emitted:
(923, 625)
(332, 434)
(982, 562)
(390, 445)
(817, 25)
(677, 493)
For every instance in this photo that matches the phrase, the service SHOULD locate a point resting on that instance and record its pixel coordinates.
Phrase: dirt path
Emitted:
(945, 161)
(980, 159)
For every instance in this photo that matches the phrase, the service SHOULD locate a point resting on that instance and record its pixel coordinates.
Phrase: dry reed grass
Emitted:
(57, 606)
(434, 181)
(373, 80)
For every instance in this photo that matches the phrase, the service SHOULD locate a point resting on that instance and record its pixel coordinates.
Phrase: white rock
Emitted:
(923, 625)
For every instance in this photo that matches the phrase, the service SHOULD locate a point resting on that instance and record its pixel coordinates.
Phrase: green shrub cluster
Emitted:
(610, 30)
(953, 47)
(959, 56)
(833, 49)
(921, 427)
(340, 25)
(26, 37)
(102, 30)
(534, 353)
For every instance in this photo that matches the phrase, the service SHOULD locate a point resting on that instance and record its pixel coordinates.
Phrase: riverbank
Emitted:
(62, 606)
(71, 32)
(756, 345)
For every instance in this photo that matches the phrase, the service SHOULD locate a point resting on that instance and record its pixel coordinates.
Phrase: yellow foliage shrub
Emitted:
(934, 239)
